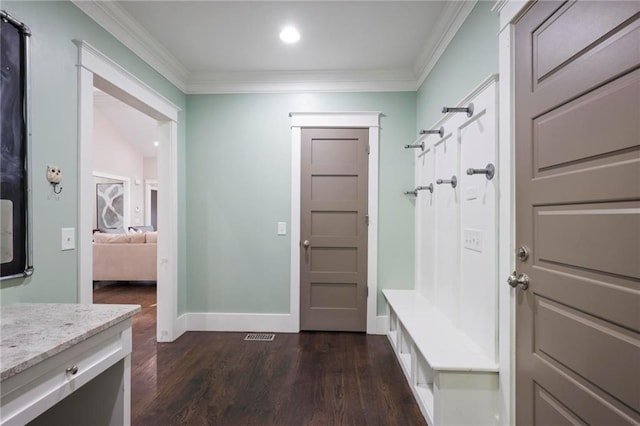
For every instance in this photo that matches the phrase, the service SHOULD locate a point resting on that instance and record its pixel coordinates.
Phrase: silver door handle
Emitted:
(306, 244)
(521, 281)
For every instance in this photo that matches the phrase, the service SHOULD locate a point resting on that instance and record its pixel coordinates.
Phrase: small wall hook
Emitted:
(468, 109)
(419, 188)
(453, 181)
(415, 145)
(56, 188)
(439, 131)
(488, 171)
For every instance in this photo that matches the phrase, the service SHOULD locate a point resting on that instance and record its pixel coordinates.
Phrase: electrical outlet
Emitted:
(472, 239)
(68, 236)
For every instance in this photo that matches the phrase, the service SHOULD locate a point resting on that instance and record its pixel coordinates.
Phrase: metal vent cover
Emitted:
(260, 337)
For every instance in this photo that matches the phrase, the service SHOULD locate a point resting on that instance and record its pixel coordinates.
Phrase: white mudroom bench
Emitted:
(452, 379)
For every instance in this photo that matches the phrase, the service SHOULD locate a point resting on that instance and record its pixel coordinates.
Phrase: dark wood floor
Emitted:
(310, 378)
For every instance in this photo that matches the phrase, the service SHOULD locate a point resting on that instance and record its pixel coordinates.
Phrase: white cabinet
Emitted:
(82, 376)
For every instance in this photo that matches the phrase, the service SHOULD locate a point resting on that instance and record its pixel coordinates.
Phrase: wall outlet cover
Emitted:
(68, 236)
(472, 239)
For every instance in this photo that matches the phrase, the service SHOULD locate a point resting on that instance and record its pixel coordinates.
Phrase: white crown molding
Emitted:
(117, 21)
(297, 81)
(454, 15)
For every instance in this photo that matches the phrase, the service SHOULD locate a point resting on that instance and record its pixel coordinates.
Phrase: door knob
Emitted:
(521, 281)
(306, 244)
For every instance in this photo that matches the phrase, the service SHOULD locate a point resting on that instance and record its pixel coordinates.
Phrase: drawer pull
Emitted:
(72, 370)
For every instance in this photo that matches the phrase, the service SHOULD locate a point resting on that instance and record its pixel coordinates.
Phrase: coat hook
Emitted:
(415, 145)
(453, 181)
(419, 188)
(488, 171)
(439, 131)
(468, 109)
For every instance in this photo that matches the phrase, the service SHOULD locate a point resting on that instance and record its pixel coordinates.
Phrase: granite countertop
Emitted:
(32, 332)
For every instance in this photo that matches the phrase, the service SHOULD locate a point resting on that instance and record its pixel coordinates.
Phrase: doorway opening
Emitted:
(97, 71)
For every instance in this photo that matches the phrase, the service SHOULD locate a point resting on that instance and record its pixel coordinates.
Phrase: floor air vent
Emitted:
(260, 337)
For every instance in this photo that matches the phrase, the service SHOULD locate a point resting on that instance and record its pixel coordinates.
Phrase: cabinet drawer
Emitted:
(34, 390)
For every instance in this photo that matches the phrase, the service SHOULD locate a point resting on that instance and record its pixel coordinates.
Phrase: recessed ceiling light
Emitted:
(156, 143)
(289, 35)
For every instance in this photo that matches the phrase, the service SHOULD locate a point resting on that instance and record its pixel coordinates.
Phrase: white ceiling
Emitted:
(233, 46)
(137, 128)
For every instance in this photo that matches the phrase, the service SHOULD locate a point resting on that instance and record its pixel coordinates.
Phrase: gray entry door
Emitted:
(333, 229)
(577, 82)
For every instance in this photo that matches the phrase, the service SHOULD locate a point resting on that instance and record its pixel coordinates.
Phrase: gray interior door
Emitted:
(577, 82)
(333, 229)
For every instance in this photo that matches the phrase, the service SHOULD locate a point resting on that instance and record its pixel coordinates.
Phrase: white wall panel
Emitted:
(478, 262)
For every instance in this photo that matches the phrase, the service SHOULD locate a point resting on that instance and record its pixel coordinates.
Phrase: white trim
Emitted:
(123, 82)
(93, 66)
(302, 81)
(149, 185)
(455, 14)
(117, 21)
(126, 220)
(275, 323)
(181, 325)
(382, 324)
(334, 120)
(510, 11)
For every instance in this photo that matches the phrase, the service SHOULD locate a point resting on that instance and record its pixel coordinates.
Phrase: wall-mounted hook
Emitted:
(56, 188)
(453, 181)
(428, 187)
(488, 171)
(415, 145)
(419, 188)
(439, 131)
(468, 109)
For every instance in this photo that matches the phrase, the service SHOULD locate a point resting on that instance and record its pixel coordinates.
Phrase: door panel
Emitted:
(333, 268)
(578, 211)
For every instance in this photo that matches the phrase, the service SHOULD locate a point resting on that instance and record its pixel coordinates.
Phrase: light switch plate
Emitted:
(68, 236)
(472, 239)
(282, 228)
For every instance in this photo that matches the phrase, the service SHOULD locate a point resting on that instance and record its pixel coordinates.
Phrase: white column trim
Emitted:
(369, 120)
(510, 11)
(96, 68)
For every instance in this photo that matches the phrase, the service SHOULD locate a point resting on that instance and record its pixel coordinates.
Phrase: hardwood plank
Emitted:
(310, 378)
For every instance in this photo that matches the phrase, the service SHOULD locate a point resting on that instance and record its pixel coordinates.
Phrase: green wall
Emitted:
(234, 168)
(54, 95)
(239, 187)
(471, 57)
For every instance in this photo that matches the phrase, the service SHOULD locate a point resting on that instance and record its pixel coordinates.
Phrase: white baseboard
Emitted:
(275, 323)
(181, 326)
(382, 324)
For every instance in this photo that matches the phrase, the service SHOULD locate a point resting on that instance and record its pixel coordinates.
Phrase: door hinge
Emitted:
(366, 219)
(367, 291)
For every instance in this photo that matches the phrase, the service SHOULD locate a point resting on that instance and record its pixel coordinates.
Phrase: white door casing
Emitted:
(370, 120)
(94, 68)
